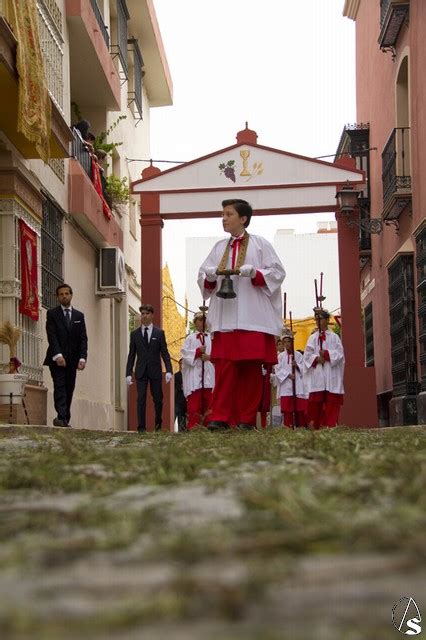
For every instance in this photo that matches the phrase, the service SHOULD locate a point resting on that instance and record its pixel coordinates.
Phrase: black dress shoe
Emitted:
(158, 427)
(244, 426)
(57, 422)
(141, 430)
(217, 425)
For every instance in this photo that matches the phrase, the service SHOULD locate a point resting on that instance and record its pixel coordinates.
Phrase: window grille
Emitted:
(52, 250)
(52, 50)
(58, 167)
(402, 326)
(421, 289)
(135, 81)
(368, 331)
(120, 47)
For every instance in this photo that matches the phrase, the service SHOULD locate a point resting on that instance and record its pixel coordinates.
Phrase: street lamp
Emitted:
(349, 201)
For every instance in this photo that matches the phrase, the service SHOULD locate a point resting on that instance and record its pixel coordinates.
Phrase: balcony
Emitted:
(60, 134)
(94, 77)
(396, 176)
(393, 15)
(85, 206)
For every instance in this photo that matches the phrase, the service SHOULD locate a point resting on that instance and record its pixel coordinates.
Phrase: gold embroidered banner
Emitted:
(29, 302)
(34, 109)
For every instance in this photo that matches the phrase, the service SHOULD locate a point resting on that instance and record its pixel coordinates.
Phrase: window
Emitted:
(421, 289)
(52, 250)
(134, 319)
(368, 335)
(402, 326)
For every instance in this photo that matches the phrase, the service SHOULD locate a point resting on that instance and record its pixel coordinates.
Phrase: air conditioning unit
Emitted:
(111, 271)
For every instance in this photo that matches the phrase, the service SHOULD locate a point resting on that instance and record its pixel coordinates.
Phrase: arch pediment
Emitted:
(269, 178)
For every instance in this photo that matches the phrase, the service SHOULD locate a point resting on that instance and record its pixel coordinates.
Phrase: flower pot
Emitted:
(12, 383)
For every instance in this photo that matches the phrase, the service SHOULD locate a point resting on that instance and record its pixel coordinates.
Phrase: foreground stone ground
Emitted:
(254, 536)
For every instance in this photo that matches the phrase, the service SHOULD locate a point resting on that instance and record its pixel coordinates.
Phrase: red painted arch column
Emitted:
(152, 284)
(360, 405)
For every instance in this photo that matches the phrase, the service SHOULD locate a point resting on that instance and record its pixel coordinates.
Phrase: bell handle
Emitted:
(228, 272)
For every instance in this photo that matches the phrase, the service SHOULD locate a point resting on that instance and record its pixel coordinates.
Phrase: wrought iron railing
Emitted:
(100, 21)
(80, 153)
(396, 163)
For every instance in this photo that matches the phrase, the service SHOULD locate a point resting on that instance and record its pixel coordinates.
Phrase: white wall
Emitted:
(304, 256)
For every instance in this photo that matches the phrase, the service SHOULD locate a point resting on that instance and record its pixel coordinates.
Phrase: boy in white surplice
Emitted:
(197, 373)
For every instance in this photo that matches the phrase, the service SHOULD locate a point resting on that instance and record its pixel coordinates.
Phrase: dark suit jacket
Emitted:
(72, 342)
(148, 360)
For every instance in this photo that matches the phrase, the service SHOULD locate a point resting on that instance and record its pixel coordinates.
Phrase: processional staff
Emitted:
(203, 308)
(319, 299)
(293, 378)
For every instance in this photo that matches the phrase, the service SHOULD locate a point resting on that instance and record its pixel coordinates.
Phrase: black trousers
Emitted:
(157, 396)
(63, 389)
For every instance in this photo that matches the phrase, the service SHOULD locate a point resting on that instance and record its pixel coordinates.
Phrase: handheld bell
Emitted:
(226, 288)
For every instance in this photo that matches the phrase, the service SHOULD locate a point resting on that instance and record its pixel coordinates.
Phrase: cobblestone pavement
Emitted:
(244, 535)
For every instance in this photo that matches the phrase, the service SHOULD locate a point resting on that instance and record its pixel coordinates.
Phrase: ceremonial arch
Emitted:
(274, 182)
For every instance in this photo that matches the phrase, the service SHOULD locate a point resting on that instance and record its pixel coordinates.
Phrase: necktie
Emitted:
(236, 243)
(145, 336)
(200, 337)
(68, 317)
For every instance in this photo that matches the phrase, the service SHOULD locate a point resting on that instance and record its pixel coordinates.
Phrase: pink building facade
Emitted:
(389, 142)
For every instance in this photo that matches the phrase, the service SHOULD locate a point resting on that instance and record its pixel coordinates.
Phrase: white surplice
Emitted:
(192, 366)
(328, 376)
(255, 308)
(283, 371)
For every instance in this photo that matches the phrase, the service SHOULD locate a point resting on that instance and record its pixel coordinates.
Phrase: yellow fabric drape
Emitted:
(34, 108)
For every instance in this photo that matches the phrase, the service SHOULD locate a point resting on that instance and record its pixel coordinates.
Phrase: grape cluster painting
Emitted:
(228, 169)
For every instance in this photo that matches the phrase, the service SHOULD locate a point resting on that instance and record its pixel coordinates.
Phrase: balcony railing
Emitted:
(393, 14)
(81, 154)
(396, 176)
(100, 21)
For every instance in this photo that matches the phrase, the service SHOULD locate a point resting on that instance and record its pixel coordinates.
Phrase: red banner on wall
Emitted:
(29, 303)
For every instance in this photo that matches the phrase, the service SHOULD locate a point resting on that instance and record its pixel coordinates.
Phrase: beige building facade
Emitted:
(103, 61)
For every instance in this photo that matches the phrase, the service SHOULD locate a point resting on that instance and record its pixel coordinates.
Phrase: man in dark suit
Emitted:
(67, 351)
(148, 346)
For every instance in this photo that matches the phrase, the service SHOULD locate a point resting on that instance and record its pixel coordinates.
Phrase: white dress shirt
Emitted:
(150, 328)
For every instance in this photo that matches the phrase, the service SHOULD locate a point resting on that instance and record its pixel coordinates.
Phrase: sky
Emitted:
(286, 67)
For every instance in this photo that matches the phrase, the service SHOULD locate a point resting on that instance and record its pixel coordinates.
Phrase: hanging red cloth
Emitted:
(29, 302)
(96, 179)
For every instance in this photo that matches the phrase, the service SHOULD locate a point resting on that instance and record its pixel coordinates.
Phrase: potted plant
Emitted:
(118, 189)
(12, 382)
